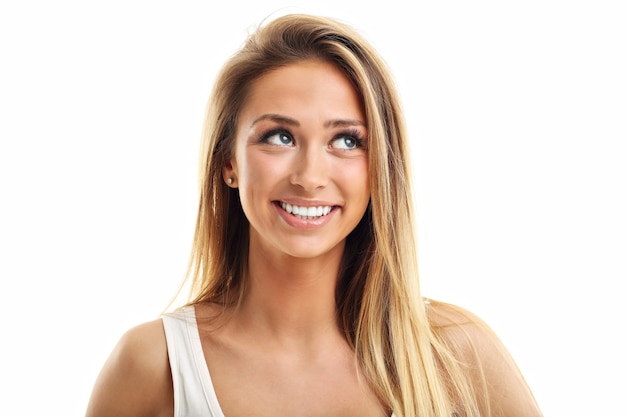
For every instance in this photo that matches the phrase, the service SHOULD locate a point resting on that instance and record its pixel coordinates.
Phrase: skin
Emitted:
(311, 160)
(281, 352)
(282, 347)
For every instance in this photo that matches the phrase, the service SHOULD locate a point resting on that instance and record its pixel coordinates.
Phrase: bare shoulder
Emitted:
(136, 378)
(487, 360)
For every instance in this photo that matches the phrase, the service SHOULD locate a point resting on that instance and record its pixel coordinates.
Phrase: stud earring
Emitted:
(230, 181)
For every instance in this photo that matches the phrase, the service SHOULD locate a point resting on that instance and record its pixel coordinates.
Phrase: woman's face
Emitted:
(300, 160)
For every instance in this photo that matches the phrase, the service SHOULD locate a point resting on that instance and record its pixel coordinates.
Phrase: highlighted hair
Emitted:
(380, 309)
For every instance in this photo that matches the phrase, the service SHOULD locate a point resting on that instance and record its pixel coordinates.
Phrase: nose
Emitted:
(310, 168)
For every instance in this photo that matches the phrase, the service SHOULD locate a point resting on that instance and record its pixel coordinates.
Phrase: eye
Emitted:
(347, 141)
(278, 137)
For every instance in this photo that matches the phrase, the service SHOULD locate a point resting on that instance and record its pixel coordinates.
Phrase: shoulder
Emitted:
(143, 347)
(463, 330)
(135, 379)
(455, 324)
(487, 362)
(458, 328)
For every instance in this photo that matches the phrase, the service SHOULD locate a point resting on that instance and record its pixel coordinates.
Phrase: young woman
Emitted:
(304, 290)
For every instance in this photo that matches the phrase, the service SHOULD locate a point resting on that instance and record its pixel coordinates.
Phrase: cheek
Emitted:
(356, 177)
(258, 171)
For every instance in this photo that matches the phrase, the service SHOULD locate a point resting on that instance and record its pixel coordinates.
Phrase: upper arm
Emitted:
(136, 378)
(500, 386)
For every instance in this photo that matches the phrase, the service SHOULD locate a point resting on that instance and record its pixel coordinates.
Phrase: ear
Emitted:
(229, 172)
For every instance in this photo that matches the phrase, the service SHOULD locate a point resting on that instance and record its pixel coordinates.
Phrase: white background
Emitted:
(516, 112)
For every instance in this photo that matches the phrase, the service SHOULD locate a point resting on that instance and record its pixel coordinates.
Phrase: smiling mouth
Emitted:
(306, 213)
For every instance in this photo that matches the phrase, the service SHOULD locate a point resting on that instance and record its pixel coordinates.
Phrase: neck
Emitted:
(291, 300)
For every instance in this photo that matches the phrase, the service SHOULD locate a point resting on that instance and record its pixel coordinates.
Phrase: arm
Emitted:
(500, 387)
(136, 379)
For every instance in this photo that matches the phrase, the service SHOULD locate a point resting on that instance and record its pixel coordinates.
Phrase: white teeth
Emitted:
(306, 212)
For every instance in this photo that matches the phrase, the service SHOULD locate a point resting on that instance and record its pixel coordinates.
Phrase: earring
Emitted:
(230, 181)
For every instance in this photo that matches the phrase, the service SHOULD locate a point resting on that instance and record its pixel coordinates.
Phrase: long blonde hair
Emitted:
(380, 309)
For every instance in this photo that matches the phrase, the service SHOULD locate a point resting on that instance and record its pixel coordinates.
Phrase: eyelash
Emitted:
(353, 134)
(350, 133)
(279, 131)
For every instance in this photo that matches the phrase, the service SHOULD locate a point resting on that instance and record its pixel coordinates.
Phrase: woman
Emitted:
(304, 289)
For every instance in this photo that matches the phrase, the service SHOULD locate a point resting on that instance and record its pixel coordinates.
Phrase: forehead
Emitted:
(304, 87)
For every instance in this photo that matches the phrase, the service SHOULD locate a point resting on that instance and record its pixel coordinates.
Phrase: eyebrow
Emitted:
(289, 121)
(276, 118)
(343, 123)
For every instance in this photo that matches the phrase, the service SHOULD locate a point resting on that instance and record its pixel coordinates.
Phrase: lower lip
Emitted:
(294, 221)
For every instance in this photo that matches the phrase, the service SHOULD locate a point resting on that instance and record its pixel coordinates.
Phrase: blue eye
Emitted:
(344, 142)
(277, 137)
(347, 142)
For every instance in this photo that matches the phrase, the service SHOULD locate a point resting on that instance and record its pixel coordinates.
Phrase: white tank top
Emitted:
(194, 394)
